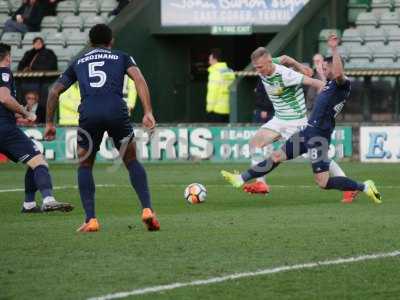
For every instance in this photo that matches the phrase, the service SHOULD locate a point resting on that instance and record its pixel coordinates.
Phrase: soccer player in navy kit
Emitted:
(19, 148)
(315, 138)
(100, 73)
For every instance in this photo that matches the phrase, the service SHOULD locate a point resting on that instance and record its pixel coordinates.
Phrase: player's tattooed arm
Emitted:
(337, 64)
(144, 94)
(292, 63)
(11, 104)
(52, 101)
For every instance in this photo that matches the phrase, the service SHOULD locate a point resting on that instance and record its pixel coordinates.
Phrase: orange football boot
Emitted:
(91, 226)
(349, 196)
(257, 187)
(149, 219)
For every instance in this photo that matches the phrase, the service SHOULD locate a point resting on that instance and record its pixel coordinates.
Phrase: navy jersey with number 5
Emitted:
(7, 80)
(329, 104)
(100, 73)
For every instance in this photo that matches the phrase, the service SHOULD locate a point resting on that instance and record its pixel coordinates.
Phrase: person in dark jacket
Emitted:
(39, 58)
(121, 5)
(264, 110)
(27, 18)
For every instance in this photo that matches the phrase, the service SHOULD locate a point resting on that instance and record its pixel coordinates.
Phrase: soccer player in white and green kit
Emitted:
(284, 87)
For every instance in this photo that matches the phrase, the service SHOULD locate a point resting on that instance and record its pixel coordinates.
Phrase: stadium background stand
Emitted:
(66, 33)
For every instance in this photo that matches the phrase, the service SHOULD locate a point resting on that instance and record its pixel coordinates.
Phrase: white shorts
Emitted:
(286, 128)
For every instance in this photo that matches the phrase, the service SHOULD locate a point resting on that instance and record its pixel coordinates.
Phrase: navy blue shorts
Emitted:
(16, 145)
(313, 141)
(91, 131)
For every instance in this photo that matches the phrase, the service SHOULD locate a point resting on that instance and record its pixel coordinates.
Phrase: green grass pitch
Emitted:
(42, 257)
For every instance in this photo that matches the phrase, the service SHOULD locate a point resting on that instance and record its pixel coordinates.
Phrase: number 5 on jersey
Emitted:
(93, 73)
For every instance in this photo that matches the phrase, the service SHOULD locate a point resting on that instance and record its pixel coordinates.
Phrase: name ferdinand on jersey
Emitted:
(97, 56)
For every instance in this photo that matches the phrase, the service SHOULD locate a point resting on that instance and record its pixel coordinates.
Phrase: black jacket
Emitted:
(35, 18)
(263, 103)
(43, 60)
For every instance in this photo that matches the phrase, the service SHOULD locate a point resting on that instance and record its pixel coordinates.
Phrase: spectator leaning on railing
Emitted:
(27, 18)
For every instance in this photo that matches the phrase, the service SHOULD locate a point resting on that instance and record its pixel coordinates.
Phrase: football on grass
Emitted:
(195, 193)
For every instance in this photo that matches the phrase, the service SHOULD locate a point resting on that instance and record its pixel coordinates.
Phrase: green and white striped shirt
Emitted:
(285, 90)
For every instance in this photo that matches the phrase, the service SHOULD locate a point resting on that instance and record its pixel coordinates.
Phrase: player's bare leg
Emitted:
(138, 178)
(38, 177)
(264, 137)
(87, 190)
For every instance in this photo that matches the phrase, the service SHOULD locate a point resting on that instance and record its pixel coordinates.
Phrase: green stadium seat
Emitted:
(343, 50)
(17, 53)
(323, 37)
(360, 58)
(390, 20)
(89, 7)
(3, 19)
(12, 38)
(108, 5)
(72, 22)
(14, 5)
(396, 6)
(379, 7)
(55, 38)
(50, 23)
(67, 7)
(352, 37)
(78, 38)
(29, 36)
(354, 8)
(90, 22)
(393, 36)
(366, 20)
(76, 48)
(4, 7)
(384, 57)
(375, 37)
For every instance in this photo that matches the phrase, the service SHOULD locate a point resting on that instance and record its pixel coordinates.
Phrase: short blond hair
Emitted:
(259, 52)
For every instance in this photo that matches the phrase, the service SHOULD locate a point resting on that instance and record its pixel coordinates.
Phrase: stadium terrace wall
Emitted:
(179, 143)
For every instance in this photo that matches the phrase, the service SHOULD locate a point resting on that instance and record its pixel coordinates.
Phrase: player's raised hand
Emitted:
(148, 121)
(333, 41)
(50, 132)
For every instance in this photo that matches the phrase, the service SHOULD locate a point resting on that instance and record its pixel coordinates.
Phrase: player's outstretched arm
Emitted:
(337, 65)
(144, 94)
(292, 63)
(315, 83)
(11, 104)
(52, 102)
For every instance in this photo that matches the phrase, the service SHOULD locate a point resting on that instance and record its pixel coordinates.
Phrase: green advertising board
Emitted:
(178, 143)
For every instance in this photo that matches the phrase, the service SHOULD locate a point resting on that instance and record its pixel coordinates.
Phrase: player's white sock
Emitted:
(335, 170)
(48, 200)
(29, 205)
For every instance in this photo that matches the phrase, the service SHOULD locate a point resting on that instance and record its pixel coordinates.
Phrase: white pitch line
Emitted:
(177, 285)
(67, 187)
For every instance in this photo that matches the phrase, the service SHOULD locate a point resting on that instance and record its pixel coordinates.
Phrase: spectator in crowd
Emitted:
(220, 77)
(39, 58)
(318, 73)
(49, 7)
(27, 18)
(32, 105)
(264, 109)
(121, 5)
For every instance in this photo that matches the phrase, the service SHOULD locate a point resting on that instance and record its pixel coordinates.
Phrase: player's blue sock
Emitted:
(43, 181)
(30, 186)
(344, 184)
(138, 177)
(87, 191)
(259, 170)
